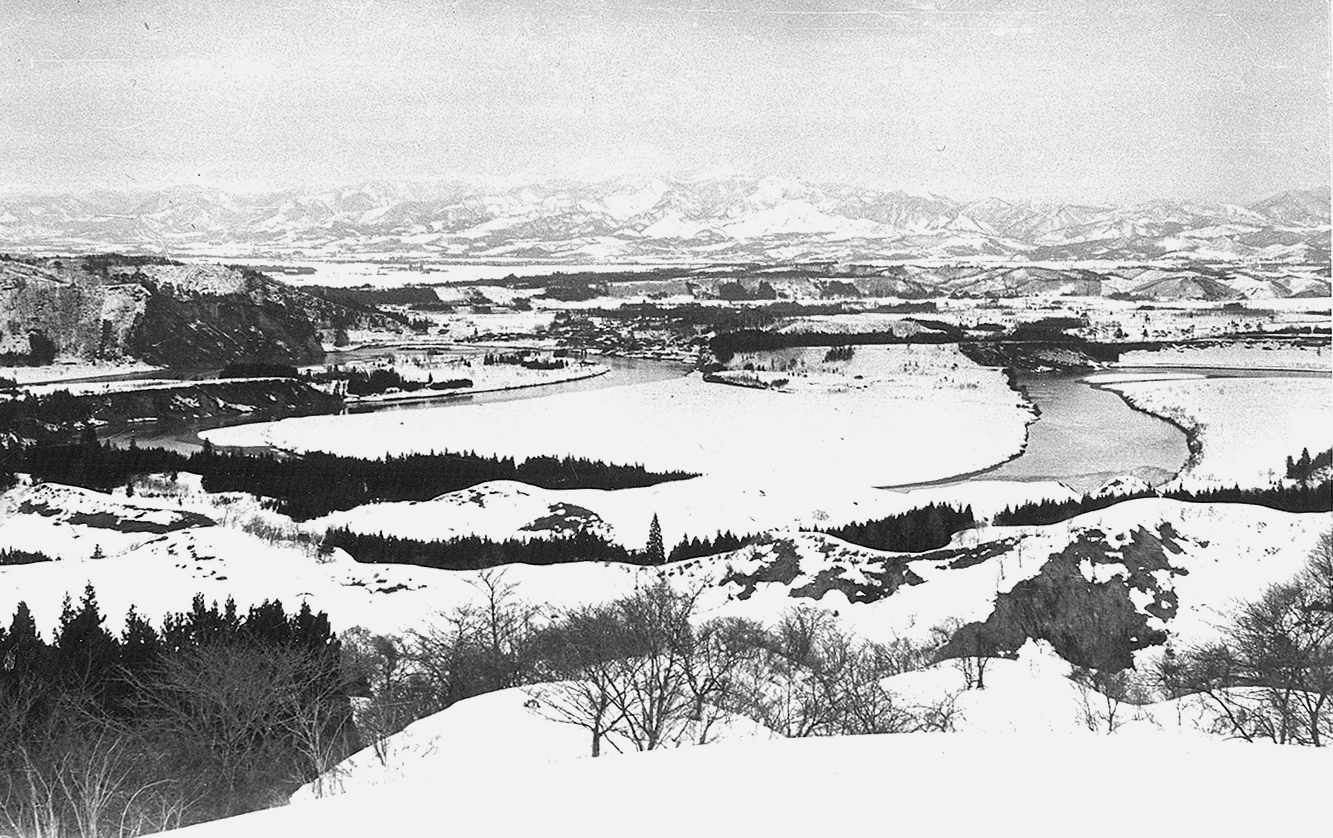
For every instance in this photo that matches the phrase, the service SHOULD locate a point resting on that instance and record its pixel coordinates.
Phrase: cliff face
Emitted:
(109, 308)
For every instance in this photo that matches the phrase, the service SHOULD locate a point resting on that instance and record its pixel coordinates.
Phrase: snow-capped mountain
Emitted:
(722, 218)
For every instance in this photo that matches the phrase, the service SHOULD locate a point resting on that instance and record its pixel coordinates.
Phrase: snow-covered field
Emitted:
(485, 378)
(395, 273)
(64, 371)
(134, 385)
(1246, 427)
(1260, 355)
(944, 416)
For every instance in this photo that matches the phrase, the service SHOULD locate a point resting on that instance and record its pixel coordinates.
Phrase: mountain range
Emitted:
(627, 219)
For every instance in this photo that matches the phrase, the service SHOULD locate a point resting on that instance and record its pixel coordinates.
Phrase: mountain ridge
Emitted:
(656, 218)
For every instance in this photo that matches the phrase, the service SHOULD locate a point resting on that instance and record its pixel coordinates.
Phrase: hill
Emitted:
(115, 308)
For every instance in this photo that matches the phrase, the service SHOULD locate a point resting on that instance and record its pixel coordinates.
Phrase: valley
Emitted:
(997, 510)
(603, 418)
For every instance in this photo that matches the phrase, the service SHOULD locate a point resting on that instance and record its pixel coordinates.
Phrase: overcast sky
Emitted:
(1070, 100)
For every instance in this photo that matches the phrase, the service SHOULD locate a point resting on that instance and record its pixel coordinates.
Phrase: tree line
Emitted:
(1304, 468)
(315, 484)
(915, 531)
(727, 345)
(1298, 498)
(14, 556)
(211, 714)
(477, 553)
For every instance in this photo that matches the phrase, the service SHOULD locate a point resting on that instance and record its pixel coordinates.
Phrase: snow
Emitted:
(97, 388)
(65, 371)
(485, 379)
(1126, 377)
(951, 784)
(938, 415)
(392, 274)
(464, 763)
(1247, 427)
(252, 554)
(1267, 355)
(700, 507)
(489, 732)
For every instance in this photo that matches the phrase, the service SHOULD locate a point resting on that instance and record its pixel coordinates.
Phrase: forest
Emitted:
(1305, 467)
(915, 531)
(316, 484)
(476, 553)
(1299, 498)
(209, 714)
(727, 345)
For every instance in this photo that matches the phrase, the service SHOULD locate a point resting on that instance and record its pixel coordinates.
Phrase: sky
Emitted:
(1091, 100)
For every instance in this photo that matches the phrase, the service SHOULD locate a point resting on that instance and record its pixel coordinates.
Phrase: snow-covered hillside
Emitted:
(697, 508)
(921, 784)
(189, 542)
(1035, 695)
(1163, 569)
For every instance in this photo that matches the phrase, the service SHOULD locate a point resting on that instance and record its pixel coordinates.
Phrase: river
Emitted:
(1085, 435)
(183, 436)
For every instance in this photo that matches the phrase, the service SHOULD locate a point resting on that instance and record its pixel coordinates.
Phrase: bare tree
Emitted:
(636, 671)
(392, 694)
(1109, 699)
(87, 774)
(583, 653)
(1271, 676)
(976, 649)
(715, 654)
(478, 647)
(649, 688)
(234, 713)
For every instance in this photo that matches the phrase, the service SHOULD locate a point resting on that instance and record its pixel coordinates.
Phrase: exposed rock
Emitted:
(159, 312)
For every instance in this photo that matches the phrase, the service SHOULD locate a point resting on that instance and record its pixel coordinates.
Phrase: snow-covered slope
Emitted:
(489, 732)
(918, 784)
(1205, 555)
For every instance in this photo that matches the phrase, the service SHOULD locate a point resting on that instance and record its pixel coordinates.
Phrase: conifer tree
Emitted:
(656, 552)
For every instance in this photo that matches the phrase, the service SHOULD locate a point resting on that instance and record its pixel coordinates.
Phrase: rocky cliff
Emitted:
(152, 310)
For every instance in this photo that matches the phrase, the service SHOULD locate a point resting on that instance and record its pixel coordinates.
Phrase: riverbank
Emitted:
(1192, 441)
(432, 395)
(1240, 430)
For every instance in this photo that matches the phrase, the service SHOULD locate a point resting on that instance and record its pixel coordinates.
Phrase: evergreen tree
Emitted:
(23, 647)
(656, 552)
(87, 652)
(140, 643)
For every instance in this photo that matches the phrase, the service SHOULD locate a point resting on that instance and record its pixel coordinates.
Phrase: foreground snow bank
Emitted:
(490, 732)
(936, 784)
